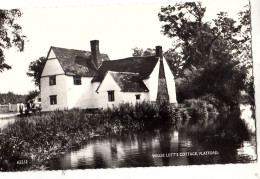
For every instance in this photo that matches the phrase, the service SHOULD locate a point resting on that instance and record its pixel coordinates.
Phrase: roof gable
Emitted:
(77, 62)
(141, 65)
(129, 82)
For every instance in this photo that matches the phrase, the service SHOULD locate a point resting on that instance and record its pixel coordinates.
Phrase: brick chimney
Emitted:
(95, 54)
(159, 52)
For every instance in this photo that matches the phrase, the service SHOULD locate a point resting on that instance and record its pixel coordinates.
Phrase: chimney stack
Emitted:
(159, 51)
(95, 54)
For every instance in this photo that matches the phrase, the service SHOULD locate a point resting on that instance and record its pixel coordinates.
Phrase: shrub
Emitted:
(200, 110)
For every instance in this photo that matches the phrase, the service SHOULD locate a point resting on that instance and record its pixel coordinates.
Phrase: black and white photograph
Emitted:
(161, 84)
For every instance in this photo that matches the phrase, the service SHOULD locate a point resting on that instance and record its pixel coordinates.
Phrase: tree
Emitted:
(35, 70)
(139, 52)
(175, 61)
(11, 98)
(212, 46)
(10, 34)
(31, 95)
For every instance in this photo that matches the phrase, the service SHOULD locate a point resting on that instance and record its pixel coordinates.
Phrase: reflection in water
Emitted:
(229, 137)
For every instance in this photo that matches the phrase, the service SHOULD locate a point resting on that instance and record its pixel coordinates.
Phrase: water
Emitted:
(228, 140)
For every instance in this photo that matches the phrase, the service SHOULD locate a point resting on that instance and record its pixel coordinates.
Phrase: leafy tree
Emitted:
(10, 34)
(175, 61)
(35, 70)
(139, 52)
(11, 98)
(31, 95)
(213, 47)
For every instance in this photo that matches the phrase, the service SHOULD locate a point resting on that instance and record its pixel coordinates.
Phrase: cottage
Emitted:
(83, 79)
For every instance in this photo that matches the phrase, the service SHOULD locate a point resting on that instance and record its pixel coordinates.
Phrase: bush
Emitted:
(200, 110)
(219, 105)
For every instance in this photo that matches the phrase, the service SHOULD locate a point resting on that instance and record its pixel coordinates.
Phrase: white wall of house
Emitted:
(109, 84)
(53, 67)
(152, 82)
(60, 89)
(95, 96)
(79, 96)
(170, 82)
(130, 97)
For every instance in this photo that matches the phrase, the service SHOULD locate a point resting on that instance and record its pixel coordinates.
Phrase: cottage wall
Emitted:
(152, 83)
(131, 97)
(59, 89)
(53, 67)
(170, 82)
(79, 96)
(108, 84)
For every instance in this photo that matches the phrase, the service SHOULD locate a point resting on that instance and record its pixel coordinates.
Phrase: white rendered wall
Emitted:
(59, 89)
(80, 96)
(130, 97)
(152, 82)
(170, 82)
(109, 84)
(52, 66)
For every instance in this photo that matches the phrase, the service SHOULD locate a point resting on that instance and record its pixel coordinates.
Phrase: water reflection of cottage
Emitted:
(83, 79)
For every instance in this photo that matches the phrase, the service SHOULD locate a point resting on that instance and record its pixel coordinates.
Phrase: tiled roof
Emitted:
(77, 62)
(129, 82)
(141, 65)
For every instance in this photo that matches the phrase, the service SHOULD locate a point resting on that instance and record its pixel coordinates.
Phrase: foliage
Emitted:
(139, 52)
(10, 34)
(175, 61)
(31, 95)
(210, 52)
(188, 86)
(201, 111)
(11, 98)
(35, 70)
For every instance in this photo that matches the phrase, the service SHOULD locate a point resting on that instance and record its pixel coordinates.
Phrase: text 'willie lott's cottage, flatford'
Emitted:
(83, 79)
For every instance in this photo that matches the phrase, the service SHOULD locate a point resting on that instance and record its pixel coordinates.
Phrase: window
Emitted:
(52, 80)
(77, 80)
(111, 96)
(39, 99)
(53, 99)
(137, 96)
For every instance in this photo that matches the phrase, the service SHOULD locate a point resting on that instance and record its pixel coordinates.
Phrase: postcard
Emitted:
(127, 85)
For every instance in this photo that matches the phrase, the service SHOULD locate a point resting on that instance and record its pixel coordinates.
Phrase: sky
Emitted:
(118, 27)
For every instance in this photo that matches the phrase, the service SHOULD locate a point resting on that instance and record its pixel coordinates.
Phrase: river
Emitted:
(225, 140)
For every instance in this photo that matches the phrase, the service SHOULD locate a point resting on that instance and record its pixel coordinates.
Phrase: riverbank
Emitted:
(38, 138)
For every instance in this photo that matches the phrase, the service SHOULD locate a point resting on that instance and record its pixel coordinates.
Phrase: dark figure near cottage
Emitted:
(28, 108)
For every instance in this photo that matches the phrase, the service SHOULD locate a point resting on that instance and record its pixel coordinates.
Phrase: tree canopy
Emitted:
(31, 95)
(10, 34)
(11, 98)
(215, 56)
(35, 70)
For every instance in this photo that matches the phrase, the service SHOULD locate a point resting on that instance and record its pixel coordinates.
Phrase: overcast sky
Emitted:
(119, 28)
